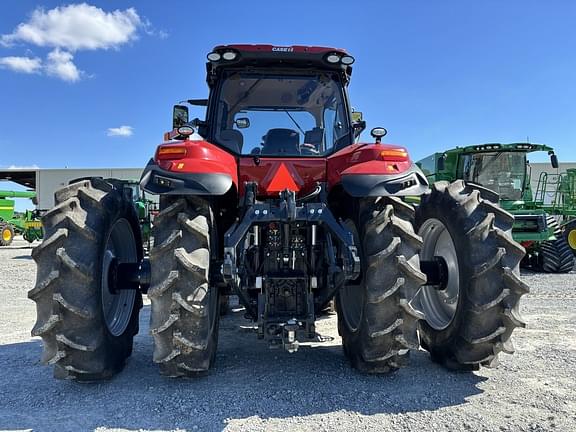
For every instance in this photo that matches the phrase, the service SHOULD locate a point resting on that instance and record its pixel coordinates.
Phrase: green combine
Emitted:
(145, 209)
(545, 218)
(27, 224)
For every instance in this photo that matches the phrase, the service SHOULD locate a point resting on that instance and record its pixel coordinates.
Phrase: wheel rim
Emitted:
(352, 293)
(117, 308)
(572, 239)
(439, 306)
(6, 235)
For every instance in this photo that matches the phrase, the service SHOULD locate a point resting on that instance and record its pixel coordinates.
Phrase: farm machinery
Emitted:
(273, 197)
(145, 208)
(27, 224)
(544, 218)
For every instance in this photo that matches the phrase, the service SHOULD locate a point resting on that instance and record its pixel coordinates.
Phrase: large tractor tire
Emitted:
(468, 322)
(377, 324)
(86, 329)
(556, 256)
(570, 235)
(6, 234)
(185, 306)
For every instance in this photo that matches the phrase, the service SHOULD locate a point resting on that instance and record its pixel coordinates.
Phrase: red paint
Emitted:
(201, 157)
(276, 174)
(363, 159)
(302, 174)
(268, 48)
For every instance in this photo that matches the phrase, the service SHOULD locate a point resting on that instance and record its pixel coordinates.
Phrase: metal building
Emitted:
(46, 181)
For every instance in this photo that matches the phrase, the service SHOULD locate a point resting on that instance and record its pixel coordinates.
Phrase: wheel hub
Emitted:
(6, 234)
(117, 306)
(438, 302)
(572, 239)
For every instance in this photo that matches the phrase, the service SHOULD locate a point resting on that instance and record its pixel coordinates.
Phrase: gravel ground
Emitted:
(253, 388)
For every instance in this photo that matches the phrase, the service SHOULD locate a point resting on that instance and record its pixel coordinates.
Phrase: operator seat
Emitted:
(232, 139)
(281, 141)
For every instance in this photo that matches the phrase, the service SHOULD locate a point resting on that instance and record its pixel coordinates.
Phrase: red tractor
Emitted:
(273, 198)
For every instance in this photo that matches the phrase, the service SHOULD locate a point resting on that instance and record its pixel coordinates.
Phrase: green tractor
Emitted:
(27, 224)
(545, 221)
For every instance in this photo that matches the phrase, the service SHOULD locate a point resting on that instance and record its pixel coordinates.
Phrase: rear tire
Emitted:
(485, 271)
(6, 234)
(376, 322)
(185, 307)
(87, 333)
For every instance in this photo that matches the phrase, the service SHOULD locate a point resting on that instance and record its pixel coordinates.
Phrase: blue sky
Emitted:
(436, 74)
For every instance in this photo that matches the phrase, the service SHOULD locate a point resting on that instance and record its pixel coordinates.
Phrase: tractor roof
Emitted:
(498, 147)
(261, 48)
(238, 56)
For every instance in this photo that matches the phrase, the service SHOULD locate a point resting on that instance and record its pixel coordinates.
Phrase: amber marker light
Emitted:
(394, 154)
(171, 152)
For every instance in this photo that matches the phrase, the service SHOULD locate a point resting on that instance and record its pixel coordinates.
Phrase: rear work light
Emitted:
(347, 60)
(334, 58)
(227, 56)
(171, 152)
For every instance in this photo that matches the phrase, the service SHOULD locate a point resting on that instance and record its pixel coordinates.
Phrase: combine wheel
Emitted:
(185, 307)
(87, 331)
(555, 256)
(376, 322)
(6, 234)
(570, 235)
(468, 321)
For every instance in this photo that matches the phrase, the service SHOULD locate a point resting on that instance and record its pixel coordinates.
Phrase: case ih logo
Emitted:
(282, 49)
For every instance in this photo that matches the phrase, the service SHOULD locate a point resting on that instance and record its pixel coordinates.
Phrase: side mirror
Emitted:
(378, 133)
(356, 116)
(179, 116)
(242, 122)
(554, 160)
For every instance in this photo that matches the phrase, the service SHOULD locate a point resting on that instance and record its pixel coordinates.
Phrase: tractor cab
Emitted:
(276, 101)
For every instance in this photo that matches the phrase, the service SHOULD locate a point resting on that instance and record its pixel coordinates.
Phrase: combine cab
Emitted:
(272, 197)
(544, 219)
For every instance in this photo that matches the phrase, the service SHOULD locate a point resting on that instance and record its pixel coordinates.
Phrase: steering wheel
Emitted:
(310, 148)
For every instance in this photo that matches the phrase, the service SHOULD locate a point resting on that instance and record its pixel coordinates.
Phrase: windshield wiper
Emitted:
(295, 122)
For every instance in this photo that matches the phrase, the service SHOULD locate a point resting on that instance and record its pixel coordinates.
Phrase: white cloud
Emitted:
(59, 64)
(21, 167)
(21, 64)
(122, 131)
(76, 27)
